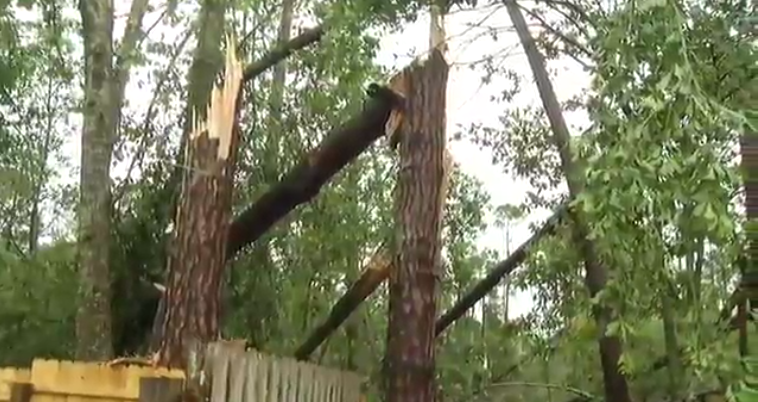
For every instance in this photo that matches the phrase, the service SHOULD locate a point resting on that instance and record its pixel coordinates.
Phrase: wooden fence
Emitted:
(254, 377)
(234, 376)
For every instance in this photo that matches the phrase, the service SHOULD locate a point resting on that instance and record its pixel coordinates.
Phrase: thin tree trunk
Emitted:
(34, 217)
(280, 70)
(671, 339)
(271, 166)
(748, 295)
(414, 276)
(93, 324)
(507, 297)
(103, 95)
(616, 387)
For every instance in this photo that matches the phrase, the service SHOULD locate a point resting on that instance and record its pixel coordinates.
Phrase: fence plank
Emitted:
(21, 392)
(335, 386)
(306, 382)
(265, 377)
(294, 380)
(275, 377)
(9, 376)
(351, 387)
(91, 380)
(318, 385)
(237, 374)
(159, 389)
(220, 375)
(253, 374)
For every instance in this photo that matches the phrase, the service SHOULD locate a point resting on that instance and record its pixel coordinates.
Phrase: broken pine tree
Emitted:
(198, 251)
(416, 267)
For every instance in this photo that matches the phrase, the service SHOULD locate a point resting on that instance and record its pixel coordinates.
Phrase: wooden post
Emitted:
(414, 275)
(160, 389)
(21, 391)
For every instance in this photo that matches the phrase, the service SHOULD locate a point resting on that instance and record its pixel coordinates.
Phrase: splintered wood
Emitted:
(220, 119)
(399, 82)
(253, 377)
(398, 85)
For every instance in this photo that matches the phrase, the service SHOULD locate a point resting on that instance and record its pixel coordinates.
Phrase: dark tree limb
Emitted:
(375, 273)
(497, 273)
(304, 181)
(378, 271)
(306, 38)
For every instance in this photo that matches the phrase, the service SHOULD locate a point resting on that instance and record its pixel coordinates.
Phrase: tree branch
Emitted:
(306, 38)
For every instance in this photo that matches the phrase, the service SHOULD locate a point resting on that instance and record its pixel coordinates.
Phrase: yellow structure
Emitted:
(53, 381)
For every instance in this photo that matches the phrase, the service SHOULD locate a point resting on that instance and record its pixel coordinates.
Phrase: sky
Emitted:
(468, 101)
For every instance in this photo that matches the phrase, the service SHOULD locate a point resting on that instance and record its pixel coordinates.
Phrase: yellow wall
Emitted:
(59, 381)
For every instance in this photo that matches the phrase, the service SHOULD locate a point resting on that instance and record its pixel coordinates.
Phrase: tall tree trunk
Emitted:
(207, 61)
(616, 387)
(749, 280)
(271, 166)
(671, 339)
(421, 187)
(280, 70)
(198, 255)
(38, 182)
(93, 321)
(103, 96)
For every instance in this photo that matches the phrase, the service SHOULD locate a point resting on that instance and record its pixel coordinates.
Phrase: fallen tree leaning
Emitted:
(378, 270)
(304, 181)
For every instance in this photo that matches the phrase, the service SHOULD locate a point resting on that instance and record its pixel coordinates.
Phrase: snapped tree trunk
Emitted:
(615, 383)
(207, 61)
(413, 284)
(198, 255)
(103, 96)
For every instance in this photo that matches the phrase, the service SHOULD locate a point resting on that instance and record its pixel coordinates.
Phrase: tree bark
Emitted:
(280, 70)
(198, 255)
(103, 96)
(671, 338)
(616, 387)
(207, 61)
(93, 321)
(413, 284)
(748, 288)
